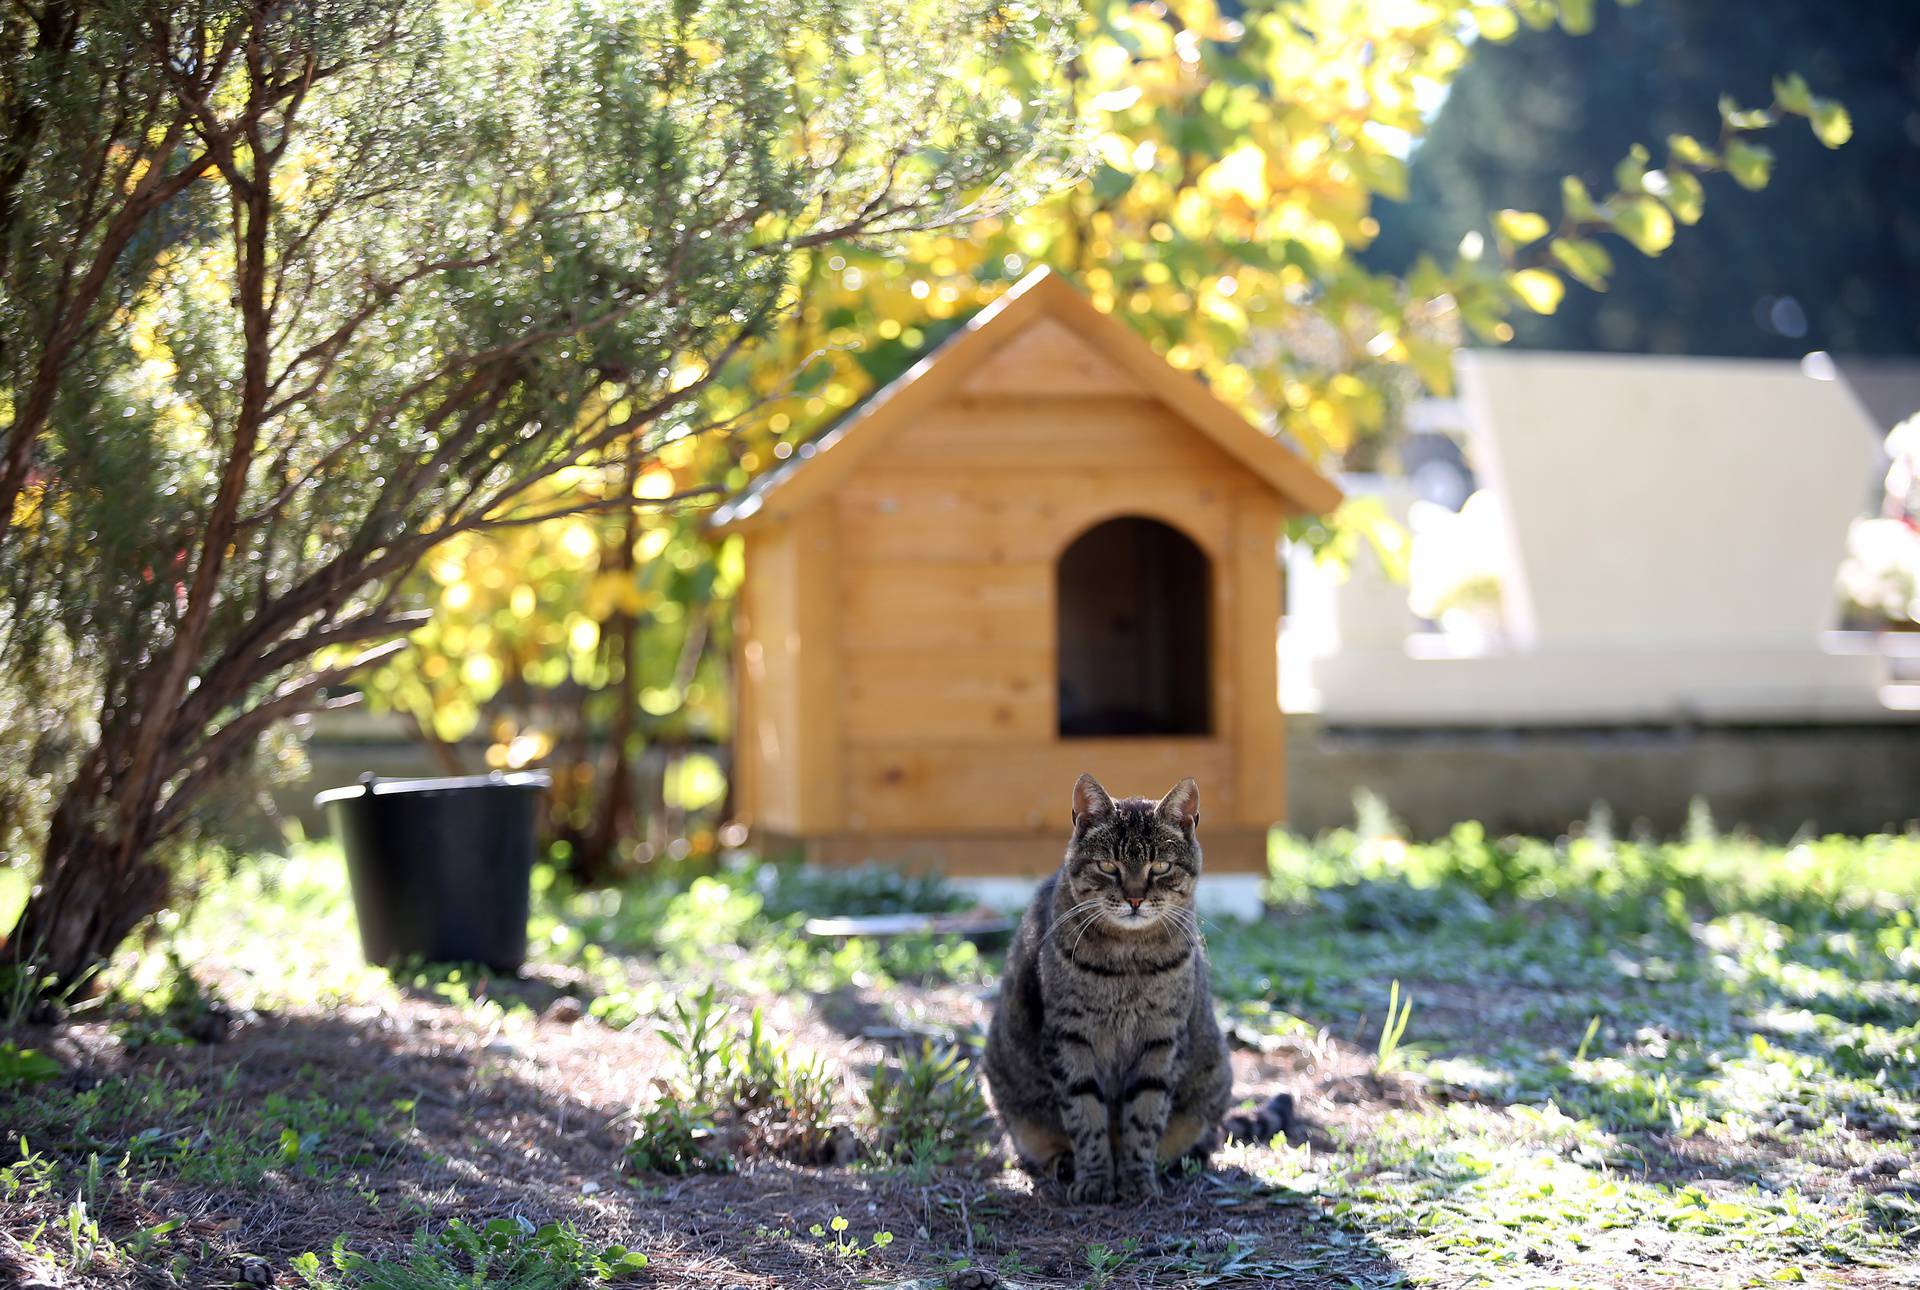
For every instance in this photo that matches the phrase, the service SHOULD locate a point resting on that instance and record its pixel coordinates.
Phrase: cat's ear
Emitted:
(1089, 800)
(1181, 806)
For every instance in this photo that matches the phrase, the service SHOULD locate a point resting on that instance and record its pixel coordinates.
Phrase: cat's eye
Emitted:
(1109, 868)
(1159, 867)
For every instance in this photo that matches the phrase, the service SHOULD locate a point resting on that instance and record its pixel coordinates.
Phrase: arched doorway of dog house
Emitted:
(1132, 600)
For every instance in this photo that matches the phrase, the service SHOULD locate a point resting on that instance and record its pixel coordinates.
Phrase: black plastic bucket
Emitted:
(440, 867)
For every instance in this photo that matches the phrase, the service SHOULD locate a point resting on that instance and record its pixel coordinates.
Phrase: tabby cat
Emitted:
(1104, 1058)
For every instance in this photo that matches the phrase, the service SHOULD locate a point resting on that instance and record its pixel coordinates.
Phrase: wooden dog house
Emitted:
(1041, 551)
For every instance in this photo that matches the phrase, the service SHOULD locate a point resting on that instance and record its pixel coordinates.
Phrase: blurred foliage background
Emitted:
(1830, 260)
(1242, 157)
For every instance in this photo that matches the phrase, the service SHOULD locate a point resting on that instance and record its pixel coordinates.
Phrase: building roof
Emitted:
(823, 462)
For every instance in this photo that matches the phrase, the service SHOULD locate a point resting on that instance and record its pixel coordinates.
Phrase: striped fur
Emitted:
(1104, 1058)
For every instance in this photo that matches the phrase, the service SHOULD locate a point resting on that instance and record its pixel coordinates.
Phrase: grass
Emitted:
(505, 1254)
(925, 1107)
(1516, 1062)
(738, 1089)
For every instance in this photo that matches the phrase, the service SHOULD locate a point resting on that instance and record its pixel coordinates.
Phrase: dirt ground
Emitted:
(1586, 1098)
(524, 1116)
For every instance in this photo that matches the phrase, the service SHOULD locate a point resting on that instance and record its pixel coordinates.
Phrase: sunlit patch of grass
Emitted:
(1518, 1193)
(1469, 876)
(1732, 1028)
(282, 929)
(723, 926)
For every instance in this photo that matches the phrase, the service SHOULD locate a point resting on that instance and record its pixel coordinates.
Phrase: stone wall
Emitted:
(1773, 780)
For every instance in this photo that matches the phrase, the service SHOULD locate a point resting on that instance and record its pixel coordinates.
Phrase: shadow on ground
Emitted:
(370, 1123)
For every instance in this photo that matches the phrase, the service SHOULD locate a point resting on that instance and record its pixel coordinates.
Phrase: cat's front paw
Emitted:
(1094, 1190)
(1138, 1184)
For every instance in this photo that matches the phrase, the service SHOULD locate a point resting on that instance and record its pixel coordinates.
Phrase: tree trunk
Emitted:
(598, 862)
(93, 891)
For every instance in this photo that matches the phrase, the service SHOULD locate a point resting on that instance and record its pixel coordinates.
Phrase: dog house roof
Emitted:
(819, 465)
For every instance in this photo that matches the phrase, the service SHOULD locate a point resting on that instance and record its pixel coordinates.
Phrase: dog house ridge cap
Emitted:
(1041, 291)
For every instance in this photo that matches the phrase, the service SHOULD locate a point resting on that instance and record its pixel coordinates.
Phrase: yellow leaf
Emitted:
(1793, 93)
(1521, 227)
(1579, 202)
(1496, 22)
(1750, 164)
(654, 483)
(1538, 289)
(1242, 173)
(578, 540)
(1645, 223)
(1586, 260)
(1830, 121)
(651, 544)
(1433, 361)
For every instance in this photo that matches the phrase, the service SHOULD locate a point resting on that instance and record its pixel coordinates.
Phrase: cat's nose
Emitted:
(1135, 902)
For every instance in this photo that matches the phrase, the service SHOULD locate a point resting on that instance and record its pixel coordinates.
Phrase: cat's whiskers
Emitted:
(1086, 905)
(1187, 921)
(1087, 920)
(1086, 926)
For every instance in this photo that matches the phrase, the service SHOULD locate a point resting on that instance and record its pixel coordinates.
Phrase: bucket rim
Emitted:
(374, 786)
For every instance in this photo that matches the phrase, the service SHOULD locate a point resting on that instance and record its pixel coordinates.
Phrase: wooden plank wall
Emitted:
(763, 680)
(947, 541)
(788, 622)
(764, 672)
(897, 637)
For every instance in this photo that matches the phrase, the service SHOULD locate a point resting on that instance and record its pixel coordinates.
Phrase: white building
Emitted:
(1655, 549)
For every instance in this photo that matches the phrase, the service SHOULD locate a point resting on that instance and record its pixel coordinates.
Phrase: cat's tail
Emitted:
(1271, 1118)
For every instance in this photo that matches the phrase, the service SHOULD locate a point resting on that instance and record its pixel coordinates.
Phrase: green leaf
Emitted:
(616, 1259)
(1645, 223)
(1681, 191)
(1831, 124)
(1586, 260)
(289, 1145)
(1109, 184)
(1686, 148)
(1538, 289)
(1750, 164)
(1520, 227)
(1537, 14)
(1385, 172)
(1793, 93)
(1433, 363)
(1579, 202)
(1576, 16)
(1630, 174)
(1738, 118)
(22, 1066)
